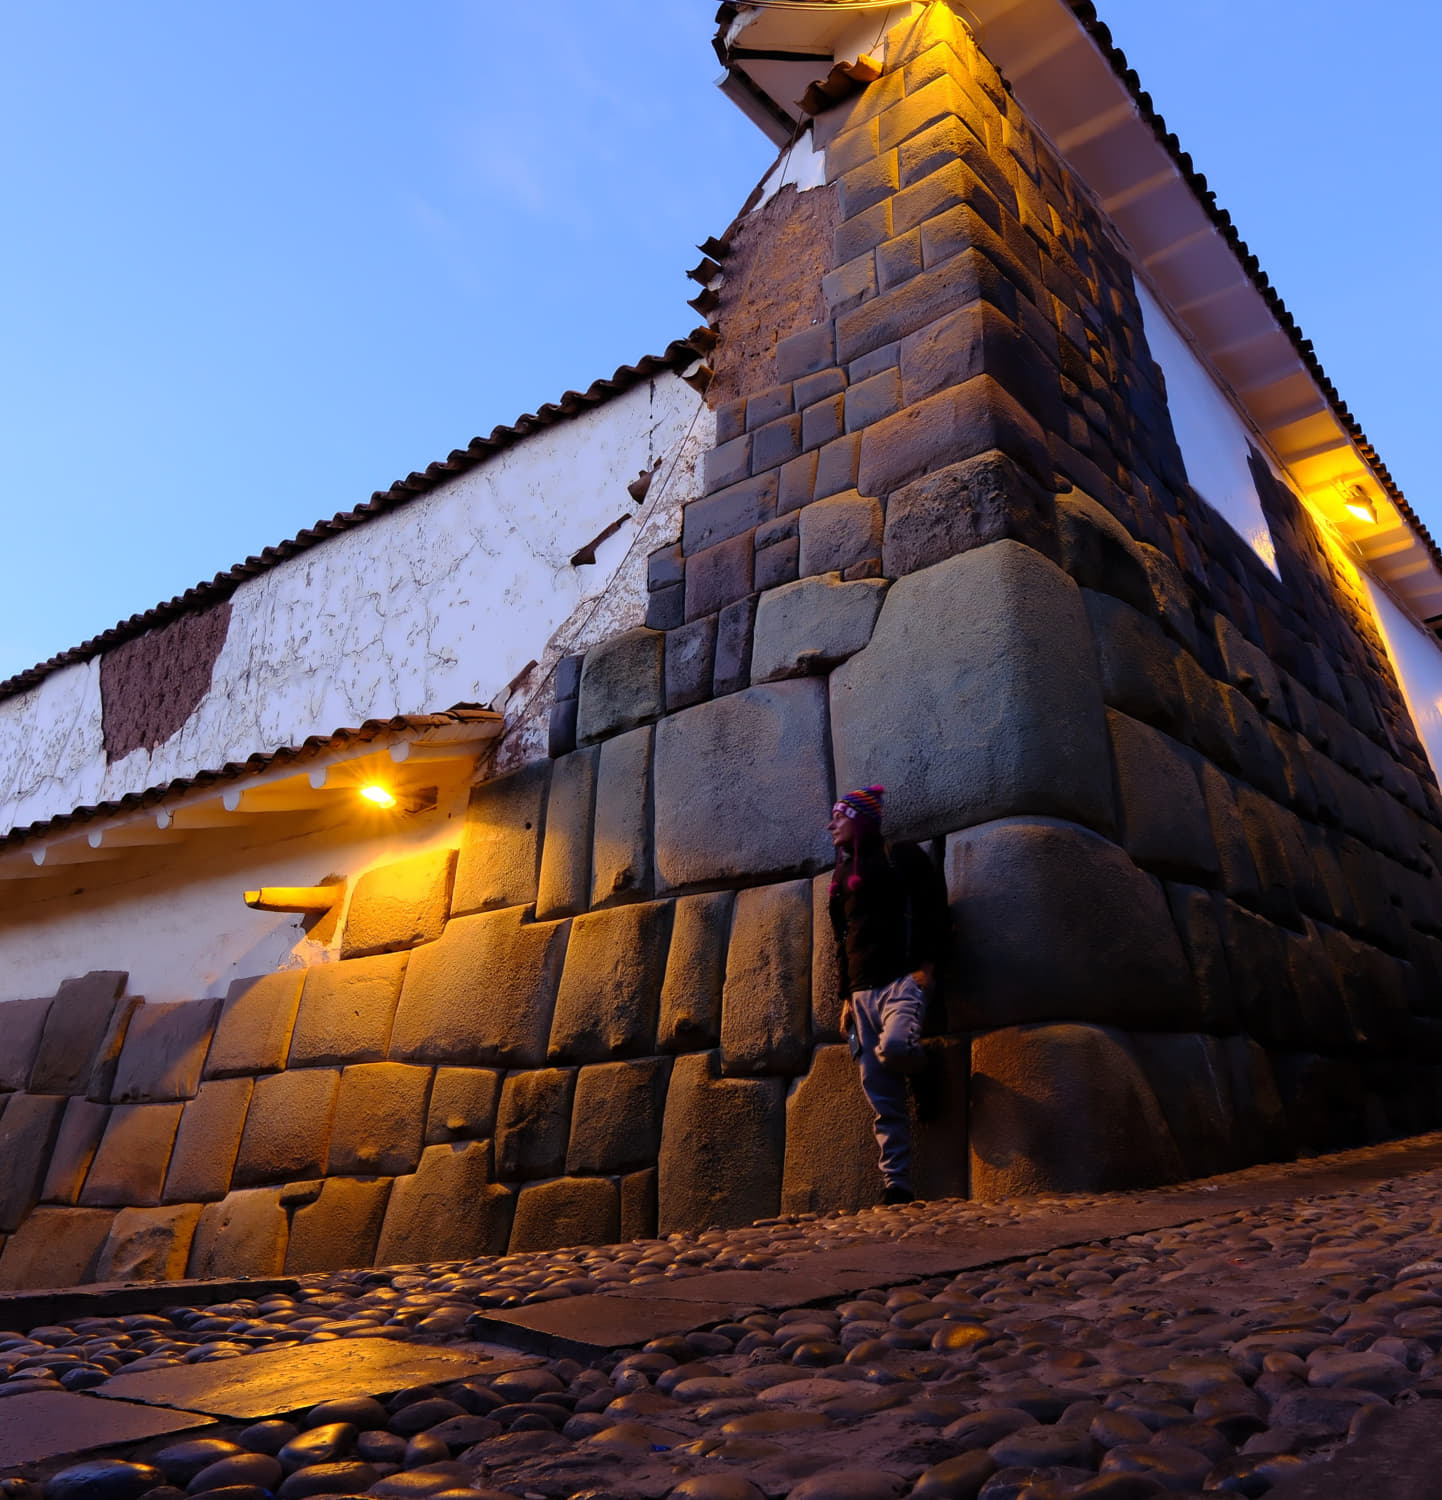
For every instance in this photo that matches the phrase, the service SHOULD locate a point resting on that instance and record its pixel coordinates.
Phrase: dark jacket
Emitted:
(895, 923)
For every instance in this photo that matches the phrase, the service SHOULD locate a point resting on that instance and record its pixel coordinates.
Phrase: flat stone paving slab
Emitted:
(46, 1424)
(113, 1299)
(276, 1381)
(1399, 1461)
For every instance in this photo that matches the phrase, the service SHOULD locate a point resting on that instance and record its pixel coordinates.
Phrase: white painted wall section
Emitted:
(1417, 660)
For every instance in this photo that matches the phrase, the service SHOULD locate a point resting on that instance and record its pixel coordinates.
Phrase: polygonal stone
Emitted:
(463, 1105)
(837, 532)
(340, 1229)
(483, 993)
(287, 1128)
(1191, 1080)
(766, 1003)
(638, 1205)
(565, 881)
(964, 506)
(1199, 926)
(1055, 923)
(129, 1168)
(616, 1116)
(148, 1244)
(75, 1028)
(830, 1163)
(380, 1117)
(1099, 552)
(1138, 663)
(106, 1057)
(253, 1034)
(164, 1051)
(28, 1129)
(400, 904)
(695, 970)
(75, 1147)
(1164, 817)
(976, 698)
(534, 1123)
(500, 860)
(569, 1211)
(1064, 1109)
(346, 1010)
(610, 992)
(1261, 1121)
(743, 785)
(826, 996)
(207, 1141)
(54, 1247)
(807, 627)
(621, 856)
(243, 1235)
(447, 1210)
(22, 1023)
(722, 1144)
(622, 684)
(1234, 854)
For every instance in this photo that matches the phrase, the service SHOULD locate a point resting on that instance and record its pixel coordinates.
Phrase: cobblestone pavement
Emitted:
(1221, 1355)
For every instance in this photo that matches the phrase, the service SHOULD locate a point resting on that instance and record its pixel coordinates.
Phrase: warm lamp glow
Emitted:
(378, 795)
(1359, 503)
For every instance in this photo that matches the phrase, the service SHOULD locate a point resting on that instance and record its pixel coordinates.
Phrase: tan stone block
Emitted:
(400, 904)
(106, 1057)
(500, 861)
(463, 1105)
(54, 1247)
(565, 879)
(22, 1023)
(616, 1116)
(287, 1128)
(164, 1050)
(379, 1119)
(695, 969)
(340, 1229)
(346, 1010)
(27, 1136)
(825, 968)
(569, 1211)
(448, 1209)
(253, 1035)
(830, 1150)
(207, 1141)
(76, 1027)
(148, 1244)
(638, 1205)
(766, 1002)
(610, 995)
(75, 1148)
(534, 1123)
(129, 1168)
(621, 856)
(243, 1235)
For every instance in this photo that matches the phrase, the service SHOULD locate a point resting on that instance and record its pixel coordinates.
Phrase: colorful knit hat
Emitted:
(863, 808)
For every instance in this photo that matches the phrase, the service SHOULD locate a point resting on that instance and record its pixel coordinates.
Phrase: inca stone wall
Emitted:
(947, 544)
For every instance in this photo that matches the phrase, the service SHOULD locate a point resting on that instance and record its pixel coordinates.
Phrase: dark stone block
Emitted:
(734, 628)
(776, 443)
(837, 532)
(77, 1027)
(22, 1023)
(727, 464)
(1191, 1081)
(798, 483)
(564, 886)
(665, 610)
(837, 465)
(898, 260)
(777, 564)
(663, 567)
(621, 682)
(1138, 664)
(830, 1162)
(534, 1123)
(818, 387)
(1196, 915)
(862, 233)
(868, 183)
(872, 399)
(1234, 852)
(728, 513)
(1268, 841)
(621, 859)
(28, 1129)
(766, 406)
(616, 1120)
(1098, 552)
(1209, 724)
(561, 736)
(690, 657)
(1164, 817)
(806, 353)
(874, 362)
(719, 576)
(776, 531)
(730, 420)
(1324, 1100)
(823, 422)
(1261, 972)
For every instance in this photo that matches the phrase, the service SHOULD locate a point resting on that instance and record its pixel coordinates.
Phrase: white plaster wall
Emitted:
(1417, 659)
(442, 601)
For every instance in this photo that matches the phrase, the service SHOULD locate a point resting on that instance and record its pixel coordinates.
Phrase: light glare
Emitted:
(378, 795)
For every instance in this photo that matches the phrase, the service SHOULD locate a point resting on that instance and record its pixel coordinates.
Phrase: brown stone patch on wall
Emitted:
(151, 685)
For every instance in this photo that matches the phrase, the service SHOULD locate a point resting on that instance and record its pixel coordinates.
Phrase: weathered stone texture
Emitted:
(55, 1247)
(695, 970)
(808, 627)
(129, 1168)
(164, 1051)
(28, 1129)
(287, 1128)
(621, 854)
(616, 1116)
(638, 1205)
(253, 1034)
(500, 857)
(380, 1117)
(463, 1105)
(346, 1010)
(447, 1209)
(148, 1244)
(207, 1141)
(565, 880)
(766, 1002)
(340, 1229)
(830, 1162)
(399, 904)
(244, 1234)
(826, 998)
(569, 1211)
(534, 1123)
(610, 993)
(22, 1023)
(837, 532)
(622, 684)
(75, 1145)
(1164, 817)
(75, 1031)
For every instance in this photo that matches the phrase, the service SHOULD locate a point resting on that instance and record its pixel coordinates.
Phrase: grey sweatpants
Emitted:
(888, 1032)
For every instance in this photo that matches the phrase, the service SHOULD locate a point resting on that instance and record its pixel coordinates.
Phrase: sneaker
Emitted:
(893, 1192)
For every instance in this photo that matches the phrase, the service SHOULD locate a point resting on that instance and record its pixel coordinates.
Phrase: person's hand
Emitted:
(925, 977)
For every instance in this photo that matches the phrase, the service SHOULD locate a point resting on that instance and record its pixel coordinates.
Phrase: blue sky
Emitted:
(262, 260)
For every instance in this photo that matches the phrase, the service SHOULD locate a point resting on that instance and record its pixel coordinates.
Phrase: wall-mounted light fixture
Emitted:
(1359, 503)
(411, 800)
(379, 795)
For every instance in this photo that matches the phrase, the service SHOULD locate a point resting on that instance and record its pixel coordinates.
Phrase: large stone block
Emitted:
(54, 1247)
(638, 1205)
(722, 1144)
(622, 684)
(977, 697)
(448, 1209)
(253, 1034)
(164, 1051)
(346, 1010)
(621, 856)
(1234, 854)
(148, 1244)
(807, 627)
(1164, 817)
(838, 532)
(380, 1118)
(207, 1142)
(616, 1116)
(826, 996)
(1099, 552)
(75, 1147)
(963, 506)
(1138, 663)
(766, 1003)
(534, 1123)
(400, 904)
(106, 1057)
(569, 1211)
(743, 786)
(940, 1165)
(1064, 1109)
(22, 1023)
(1191, 1078)
(76, 1028)
(1055, 923)
(244, 1234)
(483, 994)
(28, 1129)
(565, 884)
(1261, 1122)
(287, 1128)
(340, 1229)
(463, 1105)
(1196, 913)
(695, 971)
(129, 1168)
(500, 859)
(610, 993)
(830, 1163)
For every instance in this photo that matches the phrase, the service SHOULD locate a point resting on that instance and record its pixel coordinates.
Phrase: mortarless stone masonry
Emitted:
(1191, 838)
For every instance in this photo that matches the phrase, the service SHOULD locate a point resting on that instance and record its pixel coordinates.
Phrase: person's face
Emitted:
(839, 828)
